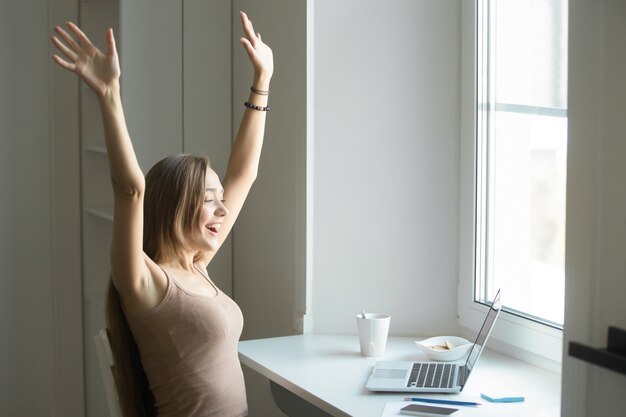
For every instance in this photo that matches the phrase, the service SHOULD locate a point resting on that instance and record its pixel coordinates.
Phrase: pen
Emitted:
(436, 401)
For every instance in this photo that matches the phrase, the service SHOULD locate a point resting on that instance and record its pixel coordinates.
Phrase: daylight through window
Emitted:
(521, 155)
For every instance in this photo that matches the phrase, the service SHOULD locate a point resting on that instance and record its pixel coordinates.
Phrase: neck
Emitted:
(185, 262)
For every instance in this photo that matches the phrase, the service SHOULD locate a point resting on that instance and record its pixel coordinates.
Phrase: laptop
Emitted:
(445, 377)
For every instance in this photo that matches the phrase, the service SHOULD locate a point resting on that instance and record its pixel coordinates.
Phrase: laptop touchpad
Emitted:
(390, 373)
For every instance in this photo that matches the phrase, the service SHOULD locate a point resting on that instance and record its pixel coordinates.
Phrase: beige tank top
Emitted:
(188, 349)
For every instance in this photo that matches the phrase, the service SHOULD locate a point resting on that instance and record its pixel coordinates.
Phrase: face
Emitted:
(212, 214)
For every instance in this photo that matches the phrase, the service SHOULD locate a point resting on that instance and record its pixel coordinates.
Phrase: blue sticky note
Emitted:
(502, 399)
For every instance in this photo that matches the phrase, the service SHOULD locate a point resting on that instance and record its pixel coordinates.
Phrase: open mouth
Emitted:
(214, 228)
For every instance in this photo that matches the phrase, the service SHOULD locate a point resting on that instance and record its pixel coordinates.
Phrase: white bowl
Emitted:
(460, 347)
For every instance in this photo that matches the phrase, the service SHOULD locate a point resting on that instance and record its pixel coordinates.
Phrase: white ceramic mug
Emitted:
(373, 330)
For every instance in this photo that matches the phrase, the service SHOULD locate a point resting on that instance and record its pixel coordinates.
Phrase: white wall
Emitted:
(386, 163)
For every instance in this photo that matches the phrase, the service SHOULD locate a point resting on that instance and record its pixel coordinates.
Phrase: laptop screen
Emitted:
(483, 334)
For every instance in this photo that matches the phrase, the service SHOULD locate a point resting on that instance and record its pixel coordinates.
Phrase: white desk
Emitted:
(329, 372)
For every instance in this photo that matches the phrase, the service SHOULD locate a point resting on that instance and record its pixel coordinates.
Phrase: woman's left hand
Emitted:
(260, 54)
(101, 71)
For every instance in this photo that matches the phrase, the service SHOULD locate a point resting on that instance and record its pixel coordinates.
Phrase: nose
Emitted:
(221, 210)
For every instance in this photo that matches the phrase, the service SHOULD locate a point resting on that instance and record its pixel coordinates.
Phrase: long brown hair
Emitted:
(133, 390)
(172, 205)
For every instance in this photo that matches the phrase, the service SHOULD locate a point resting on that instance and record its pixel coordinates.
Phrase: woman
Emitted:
(173, 332)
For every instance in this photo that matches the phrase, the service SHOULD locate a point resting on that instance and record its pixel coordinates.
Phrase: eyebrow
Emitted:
(214, 189)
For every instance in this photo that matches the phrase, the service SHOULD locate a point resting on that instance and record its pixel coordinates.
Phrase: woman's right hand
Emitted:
(100, 71)
(259, 53)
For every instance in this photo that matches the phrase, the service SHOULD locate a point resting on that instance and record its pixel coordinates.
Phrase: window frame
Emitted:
(520, 337)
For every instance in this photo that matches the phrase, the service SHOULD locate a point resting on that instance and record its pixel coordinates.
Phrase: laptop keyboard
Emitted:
(431, 375)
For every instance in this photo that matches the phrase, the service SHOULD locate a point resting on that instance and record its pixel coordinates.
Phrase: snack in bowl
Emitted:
(444, 348)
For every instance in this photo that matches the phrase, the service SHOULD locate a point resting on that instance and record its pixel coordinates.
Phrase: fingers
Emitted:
(82, 38)
(248, 29)
(63, 63)
(246, 43)
(84, 44)
(67, 38)
(111, 49)
(69, 54)
(244, 20)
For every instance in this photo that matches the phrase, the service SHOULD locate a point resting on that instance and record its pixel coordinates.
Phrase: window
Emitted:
(513, 162)
(521, 155)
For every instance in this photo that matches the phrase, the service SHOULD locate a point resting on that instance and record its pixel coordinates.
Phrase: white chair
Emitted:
(105, 359)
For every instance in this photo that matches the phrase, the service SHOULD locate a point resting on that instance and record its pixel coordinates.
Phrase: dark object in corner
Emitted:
(613, 357)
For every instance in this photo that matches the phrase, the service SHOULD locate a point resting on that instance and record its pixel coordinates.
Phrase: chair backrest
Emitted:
(105, 359)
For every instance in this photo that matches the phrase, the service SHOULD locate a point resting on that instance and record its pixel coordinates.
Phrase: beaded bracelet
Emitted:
(260, 92)
(255, 107)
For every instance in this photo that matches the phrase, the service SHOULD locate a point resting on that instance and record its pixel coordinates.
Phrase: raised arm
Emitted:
(101, 72)
(244, 158)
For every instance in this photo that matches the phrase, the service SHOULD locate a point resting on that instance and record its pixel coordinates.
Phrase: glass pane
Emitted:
(529, 48)
(527, 222)
(521, 158)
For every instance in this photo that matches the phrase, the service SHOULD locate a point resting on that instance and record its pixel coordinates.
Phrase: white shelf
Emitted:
(103, 212)
(101, 149)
